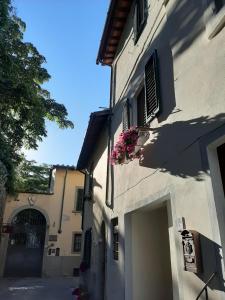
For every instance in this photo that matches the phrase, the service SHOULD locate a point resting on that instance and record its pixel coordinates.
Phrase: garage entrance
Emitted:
(26, 245)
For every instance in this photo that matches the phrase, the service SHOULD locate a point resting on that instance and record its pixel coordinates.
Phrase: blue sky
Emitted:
(68, 34)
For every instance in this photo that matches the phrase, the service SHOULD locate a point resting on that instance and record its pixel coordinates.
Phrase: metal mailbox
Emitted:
(192, 251)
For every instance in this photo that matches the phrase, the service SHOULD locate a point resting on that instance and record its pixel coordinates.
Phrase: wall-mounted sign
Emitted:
(191, 251)
(53, 238)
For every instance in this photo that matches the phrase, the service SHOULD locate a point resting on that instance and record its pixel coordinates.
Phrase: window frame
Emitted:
(87, 250)
(115, 238)
(142, 85)
(74, 234)
(126, 118)
(138, 28)
(76, 199)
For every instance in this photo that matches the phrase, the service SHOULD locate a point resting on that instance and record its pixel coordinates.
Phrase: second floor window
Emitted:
(126, 115)
(140, 17)
(141, 108)
(148, 98)
(79, 199)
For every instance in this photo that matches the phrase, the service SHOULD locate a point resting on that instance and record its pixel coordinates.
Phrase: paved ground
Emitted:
(37, 288)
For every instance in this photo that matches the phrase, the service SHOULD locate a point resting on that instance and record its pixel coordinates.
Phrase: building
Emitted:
(43, 231)
(154, 228)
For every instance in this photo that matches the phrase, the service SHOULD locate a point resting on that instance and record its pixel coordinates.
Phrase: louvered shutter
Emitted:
(126, 115)
(80, 195)
(140, 17)
(87, 248)
(152, 88)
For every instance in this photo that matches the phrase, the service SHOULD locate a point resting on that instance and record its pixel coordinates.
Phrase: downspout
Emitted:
(62, 203)
(85, 181)
(109, 168)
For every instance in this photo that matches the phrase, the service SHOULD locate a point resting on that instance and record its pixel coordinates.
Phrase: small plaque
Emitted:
(53, 238)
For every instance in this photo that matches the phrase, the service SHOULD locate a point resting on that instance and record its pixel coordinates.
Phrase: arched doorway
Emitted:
(26, 244)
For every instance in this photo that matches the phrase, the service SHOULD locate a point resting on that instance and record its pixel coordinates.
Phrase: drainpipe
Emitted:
(62, 203)
(85, 180)
(109, 168)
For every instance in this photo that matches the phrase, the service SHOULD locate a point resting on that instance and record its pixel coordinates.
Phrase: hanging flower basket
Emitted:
(129, 145)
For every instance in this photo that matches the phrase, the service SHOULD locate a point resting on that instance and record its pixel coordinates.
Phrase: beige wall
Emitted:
(50, 206)
(182, 139)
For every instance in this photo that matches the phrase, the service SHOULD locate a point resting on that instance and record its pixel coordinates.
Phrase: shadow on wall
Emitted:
(212, 262)
(171, 141)
(184, 24)
(102, 257)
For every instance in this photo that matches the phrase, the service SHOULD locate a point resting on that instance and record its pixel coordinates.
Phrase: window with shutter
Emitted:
(126, 115)
(141, 108)
(152, 88)
(87, 248)
(79, 199)
(140, 17)
(115, 236)
(77, 237)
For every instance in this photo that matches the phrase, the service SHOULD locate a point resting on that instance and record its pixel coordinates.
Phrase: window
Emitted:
(126, 115)
(79, 199)
(141, 108)
(221, 158)
(148, 98)
(89, 181)
(87, 248)
(77, 238)
(140, 17)
(115, 238)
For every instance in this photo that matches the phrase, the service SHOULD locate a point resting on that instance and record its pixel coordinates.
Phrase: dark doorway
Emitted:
(26, 245)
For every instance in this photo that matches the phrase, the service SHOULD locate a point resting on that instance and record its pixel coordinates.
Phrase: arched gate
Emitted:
(26, 244)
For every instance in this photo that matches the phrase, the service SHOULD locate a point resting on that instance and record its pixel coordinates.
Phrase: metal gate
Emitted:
(26, 244)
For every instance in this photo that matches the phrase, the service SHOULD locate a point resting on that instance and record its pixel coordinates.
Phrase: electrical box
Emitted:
(192, 251)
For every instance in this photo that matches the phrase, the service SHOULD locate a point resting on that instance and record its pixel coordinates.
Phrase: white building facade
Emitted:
(167, 60)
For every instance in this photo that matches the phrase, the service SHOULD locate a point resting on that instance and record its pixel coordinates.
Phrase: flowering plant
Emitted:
(125, 148)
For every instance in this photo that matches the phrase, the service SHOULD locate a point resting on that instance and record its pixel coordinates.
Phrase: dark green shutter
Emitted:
(152, 88)
(126, 115)
(80, 196)
(87, 248)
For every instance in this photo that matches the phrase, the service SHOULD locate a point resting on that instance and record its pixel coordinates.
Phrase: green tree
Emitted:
(30, 177)
(24, 103)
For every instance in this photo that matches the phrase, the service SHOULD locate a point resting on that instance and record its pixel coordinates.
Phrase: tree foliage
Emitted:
(24, 103)
(31, 177)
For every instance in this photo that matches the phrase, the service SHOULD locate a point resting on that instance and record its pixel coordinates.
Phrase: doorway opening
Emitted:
(151, 276)
(26, 244)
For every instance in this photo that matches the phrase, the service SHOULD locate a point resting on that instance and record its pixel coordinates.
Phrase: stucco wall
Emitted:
(189, 127)
(50, 206)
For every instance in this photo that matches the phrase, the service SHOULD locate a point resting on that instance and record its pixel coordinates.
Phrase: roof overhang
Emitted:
(95, 126)
(114, 25)
(72, 168)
